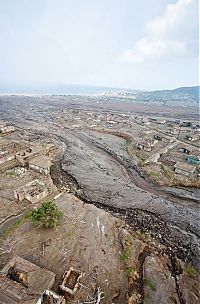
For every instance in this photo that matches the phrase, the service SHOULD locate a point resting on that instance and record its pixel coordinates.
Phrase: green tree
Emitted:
(48, 215)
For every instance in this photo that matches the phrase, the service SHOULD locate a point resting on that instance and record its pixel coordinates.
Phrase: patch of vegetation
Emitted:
(167, 171)
(48, 215)
(142, 163)
(147, 299)
(191, 272)
(10, 172)
(148, 283)
(173, 300)
(125, 256)
(154, 174)
(17, 224)
(141, 154)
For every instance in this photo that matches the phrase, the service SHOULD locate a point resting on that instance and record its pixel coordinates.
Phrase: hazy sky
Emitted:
(139, 44)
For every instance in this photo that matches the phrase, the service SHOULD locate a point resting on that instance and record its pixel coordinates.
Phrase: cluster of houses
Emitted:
(24, 282)
(31, 157)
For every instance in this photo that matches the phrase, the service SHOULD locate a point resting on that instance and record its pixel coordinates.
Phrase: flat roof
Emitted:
(41, 161)
(185, 167)
(37, 280)
(33, 188)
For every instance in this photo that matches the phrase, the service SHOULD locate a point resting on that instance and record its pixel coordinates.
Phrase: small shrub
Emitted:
(191, 272)
(48, 215)
(148, 283)
(125, 256)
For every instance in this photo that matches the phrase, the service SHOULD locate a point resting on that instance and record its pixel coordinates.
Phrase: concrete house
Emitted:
(34, 192)
(144, 146)
(184, 150)
(71, 281)
(6, 156)
(40, 164)
(23, 282)
(6, 129)
(192, 137)
(25, 155)
(50, 297)
(184, 169)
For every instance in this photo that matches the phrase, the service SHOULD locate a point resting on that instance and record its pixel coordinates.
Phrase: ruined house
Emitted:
(50, 297)
(34, 191)
(23, 282)
(158, 137)
(25, 155)
(8, 151)
(184, 169)
(192, 137)
(147, 144)
(71, 281)
(144, 146)
(40, 164)
(184, 150)
(6, 129)
(6, 156)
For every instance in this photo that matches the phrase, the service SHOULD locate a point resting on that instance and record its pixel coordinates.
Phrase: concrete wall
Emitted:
(39, 169)
(36, 198)
(6, 158)
(183, 172)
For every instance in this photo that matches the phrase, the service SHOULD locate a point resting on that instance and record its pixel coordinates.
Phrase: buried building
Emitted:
(4, 129)
(24, 282)
(24, 156)
(40, 164)
(184, 169)
(34, 191)
(71, 281)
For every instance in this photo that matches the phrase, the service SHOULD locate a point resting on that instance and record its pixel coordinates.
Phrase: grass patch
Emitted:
(191, 272)
(148, 283)
(173, 300)
(10, 172)
(17, 224)
(154, 174)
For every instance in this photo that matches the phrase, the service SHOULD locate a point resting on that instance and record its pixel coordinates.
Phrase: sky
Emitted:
(146, 44)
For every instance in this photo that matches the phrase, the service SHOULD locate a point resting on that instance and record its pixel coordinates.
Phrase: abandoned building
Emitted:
(24, 282)
(8, 151)
(71, 281)
(184, 169)
(184, 150)
(49, 149)
(40, 164)
(192, 137)
(25, 155)
(6, 156)
(144, 146)
(6, 129)
(34, 191)
(194, 159)
(158, 137)
(50, 297)
(147, 144)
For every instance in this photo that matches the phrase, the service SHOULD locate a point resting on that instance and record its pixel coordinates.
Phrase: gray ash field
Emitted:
(136, 200)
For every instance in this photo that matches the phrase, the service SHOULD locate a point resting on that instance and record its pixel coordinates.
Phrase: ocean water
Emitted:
(56, 89)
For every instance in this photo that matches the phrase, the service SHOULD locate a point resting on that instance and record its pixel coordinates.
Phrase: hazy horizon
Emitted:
(62, 89)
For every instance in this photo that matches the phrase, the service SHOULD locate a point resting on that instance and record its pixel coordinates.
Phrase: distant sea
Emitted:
(56, 89)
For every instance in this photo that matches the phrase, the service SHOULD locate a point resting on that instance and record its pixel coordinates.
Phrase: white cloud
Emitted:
(169, 35)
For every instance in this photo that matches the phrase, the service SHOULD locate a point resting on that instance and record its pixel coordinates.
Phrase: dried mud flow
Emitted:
(99, 177)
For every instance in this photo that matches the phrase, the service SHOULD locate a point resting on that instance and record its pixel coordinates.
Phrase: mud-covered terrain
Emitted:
(144, 235)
